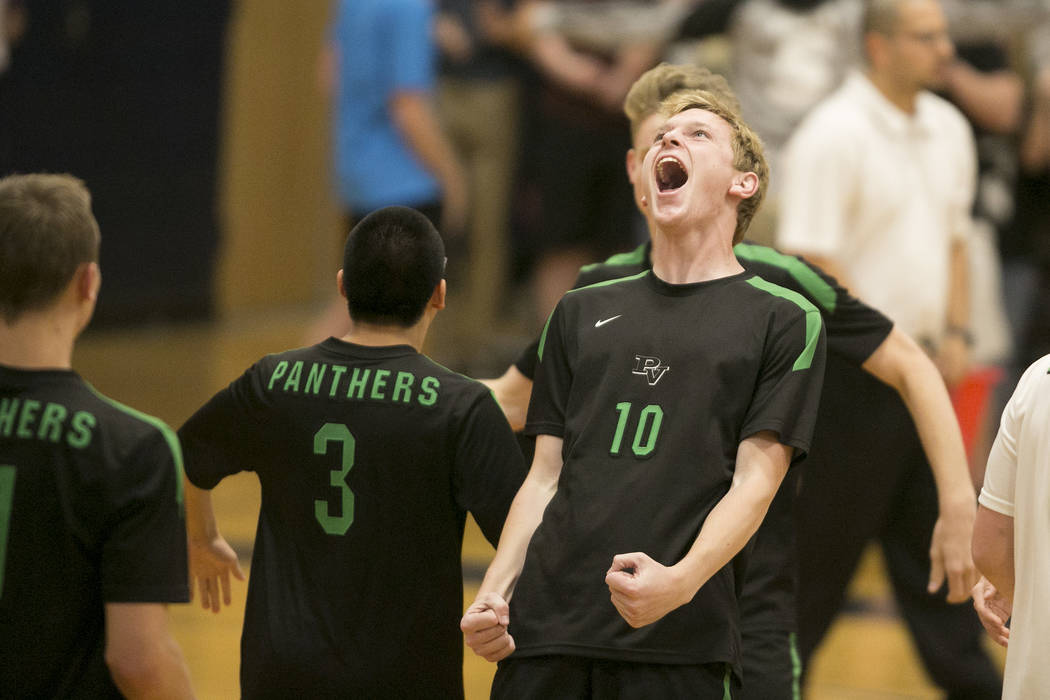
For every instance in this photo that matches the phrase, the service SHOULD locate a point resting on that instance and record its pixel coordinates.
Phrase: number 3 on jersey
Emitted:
(339, 433)
(645, 433)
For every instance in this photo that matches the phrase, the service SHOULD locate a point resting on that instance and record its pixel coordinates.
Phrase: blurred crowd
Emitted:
(529, 95)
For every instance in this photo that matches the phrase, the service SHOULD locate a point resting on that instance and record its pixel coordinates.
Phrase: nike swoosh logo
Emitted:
(599, 324)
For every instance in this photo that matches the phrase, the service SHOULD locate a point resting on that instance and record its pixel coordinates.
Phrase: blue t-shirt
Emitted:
(384, 47)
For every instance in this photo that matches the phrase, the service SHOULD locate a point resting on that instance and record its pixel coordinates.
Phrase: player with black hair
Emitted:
(369, 455)
(92, 538)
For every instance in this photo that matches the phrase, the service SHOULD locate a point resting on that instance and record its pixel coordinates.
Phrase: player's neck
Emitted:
(382, 336)
(38, 341)
(693, 257)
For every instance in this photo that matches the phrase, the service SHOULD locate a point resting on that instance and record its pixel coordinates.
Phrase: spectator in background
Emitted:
(877, 188)
(573, 199)
(478, 103)
(388, 145)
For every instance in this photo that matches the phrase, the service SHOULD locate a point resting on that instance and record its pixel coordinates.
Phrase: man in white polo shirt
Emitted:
(1011, 538)
(877, 187)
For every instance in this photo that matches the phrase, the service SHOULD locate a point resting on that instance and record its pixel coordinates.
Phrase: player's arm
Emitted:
(902, 364)
(953, 355)
(993, 549)
(211, 559)
(512, 391)
(485, 623)
(143, 658)
(644, 590)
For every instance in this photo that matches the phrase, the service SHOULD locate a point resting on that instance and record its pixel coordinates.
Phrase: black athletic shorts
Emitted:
(575, 677)
(772, 666)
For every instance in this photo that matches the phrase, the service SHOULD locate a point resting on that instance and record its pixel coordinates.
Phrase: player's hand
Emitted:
(644, 590)
(211, 563)
(993, 610)
(950, 552)
(484, 627)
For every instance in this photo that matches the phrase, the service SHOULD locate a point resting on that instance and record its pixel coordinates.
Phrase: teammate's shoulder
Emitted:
(132, 424)
(609, 284)
(791, 271)
(615, 266)
(452, 379)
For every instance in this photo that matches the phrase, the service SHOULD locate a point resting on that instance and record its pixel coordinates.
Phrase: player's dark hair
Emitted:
(394, 258)
(47, 230)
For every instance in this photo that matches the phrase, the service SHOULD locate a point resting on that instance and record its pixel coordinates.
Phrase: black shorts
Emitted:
(772, 666)
(575, 677)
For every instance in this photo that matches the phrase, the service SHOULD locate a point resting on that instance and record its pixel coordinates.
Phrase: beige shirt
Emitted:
(884, 194)
(1017, 484)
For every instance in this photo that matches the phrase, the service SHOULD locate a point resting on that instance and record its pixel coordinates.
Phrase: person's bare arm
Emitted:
(211, 558)
(643, 590)
(485, 623)
(512, 391)
(902, 364)
(993, 549)
(953, 355)
(417, 121)
(142, 656)
(1034, 148)
(993, 100)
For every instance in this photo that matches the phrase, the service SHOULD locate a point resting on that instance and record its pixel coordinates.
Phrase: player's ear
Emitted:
(88, 281)
(744, 185)
(437, 299)
(632, 164)
(339, 284)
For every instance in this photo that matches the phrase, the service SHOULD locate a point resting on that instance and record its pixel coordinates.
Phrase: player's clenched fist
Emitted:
(485, 627)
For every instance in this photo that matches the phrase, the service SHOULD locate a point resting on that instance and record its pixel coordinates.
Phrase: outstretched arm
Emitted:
(485, 622)
(643, 590)
(902, 364)
(212, 559)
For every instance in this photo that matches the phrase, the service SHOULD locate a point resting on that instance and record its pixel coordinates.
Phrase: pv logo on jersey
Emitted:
(650, 367)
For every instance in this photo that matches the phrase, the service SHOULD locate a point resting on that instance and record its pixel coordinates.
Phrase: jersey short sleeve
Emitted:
(853, 329)
(553, 380)
(218, 440)
(144, 554)
(787, 395)
(489, 467)
(1000, 476)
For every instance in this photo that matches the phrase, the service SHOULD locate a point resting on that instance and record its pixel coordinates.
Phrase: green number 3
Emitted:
(336, 432)
(7, 497)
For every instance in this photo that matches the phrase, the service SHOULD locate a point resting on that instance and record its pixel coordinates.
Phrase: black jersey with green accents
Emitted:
(652, 387)
(369, 459)
(854, 331)
(90, 513)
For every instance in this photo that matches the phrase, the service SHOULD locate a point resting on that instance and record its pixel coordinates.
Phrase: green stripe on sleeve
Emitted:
(634, 257)
(812, 318)
(169, 436)
(805, 275)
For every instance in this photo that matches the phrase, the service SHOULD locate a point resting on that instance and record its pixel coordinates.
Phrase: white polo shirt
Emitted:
(1017, 484)
(883, 193)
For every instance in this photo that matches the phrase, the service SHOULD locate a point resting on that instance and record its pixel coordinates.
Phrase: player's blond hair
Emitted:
(748, 154)
(657, 84)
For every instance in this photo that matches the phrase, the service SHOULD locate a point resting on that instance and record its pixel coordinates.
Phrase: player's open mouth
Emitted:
(670, 174)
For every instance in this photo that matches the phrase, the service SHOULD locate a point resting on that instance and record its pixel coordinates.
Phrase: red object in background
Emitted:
(972, 399)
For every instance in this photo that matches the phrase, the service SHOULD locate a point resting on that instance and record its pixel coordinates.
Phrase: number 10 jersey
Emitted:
(652, 387)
